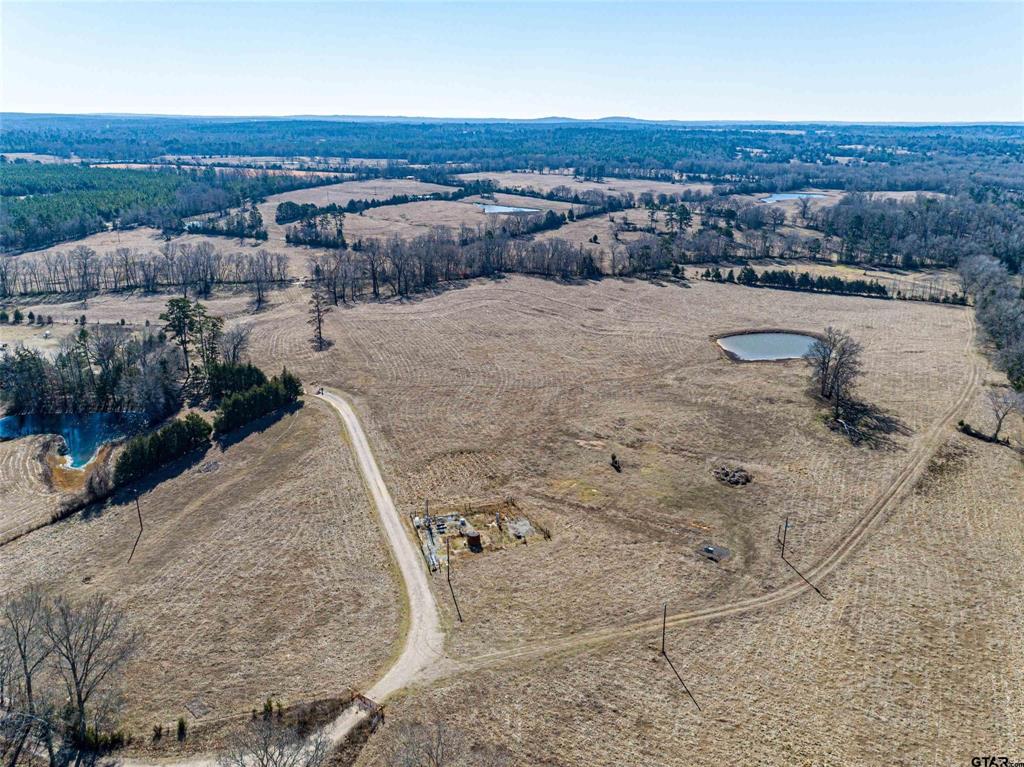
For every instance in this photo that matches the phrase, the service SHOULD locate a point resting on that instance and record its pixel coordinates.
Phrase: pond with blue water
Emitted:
(506, 209)
(83, 433)
(783, 196)
(757, 347)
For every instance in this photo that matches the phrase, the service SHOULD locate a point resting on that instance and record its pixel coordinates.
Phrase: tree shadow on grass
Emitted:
(255, 427)
(868, 425)
(321, 347)
(95, 507)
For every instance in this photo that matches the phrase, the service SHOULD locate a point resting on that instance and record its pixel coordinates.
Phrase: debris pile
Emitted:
(732, 476)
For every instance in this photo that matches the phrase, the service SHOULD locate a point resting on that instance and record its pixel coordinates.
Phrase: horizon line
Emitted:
(546, 118)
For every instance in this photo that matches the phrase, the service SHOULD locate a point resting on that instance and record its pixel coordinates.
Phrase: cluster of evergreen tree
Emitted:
(788, 280)
(240, 408)
(45, 204)
(325, 231)
(225, 378)
(244, 224)
(289, 212)
(104, 368)
(147, 452)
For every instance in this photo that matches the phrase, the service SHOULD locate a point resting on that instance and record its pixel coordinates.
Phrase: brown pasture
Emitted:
(261, 572)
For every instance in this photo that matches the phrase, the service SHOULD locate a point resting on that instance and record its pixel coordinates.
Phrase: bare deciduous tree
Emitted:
(835, 361)
(1002, 403)
(415, 744)
(234, 342)
(24, 634)
(91, 640)
(266, 744)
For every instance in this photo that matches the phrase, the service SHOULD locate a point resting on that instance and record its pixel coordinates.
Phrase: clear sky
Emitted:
(917, 61)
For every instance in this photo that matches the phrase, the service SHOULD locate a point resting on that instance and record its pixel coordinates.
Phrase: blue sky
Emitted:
(918, 61)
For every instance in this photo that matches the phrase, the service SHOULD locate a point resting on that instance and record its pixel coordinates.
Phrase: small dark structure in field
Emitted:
(733, 476)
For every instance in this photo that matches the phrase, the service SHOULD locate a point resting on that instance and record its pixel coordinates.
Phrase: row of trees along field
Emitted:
(244, 395)
(191, 268)
(788, 280)
(47, 204)
(401, 267)
(999, 307)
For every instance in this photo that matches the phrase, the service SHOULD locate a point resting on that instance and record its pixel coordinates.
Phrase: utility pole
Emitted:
(664, 621)
(785, 529)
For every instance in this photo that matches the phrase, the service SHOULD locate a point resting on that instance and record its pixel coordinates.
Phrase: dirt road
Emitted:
(422, 654)
(422, 657)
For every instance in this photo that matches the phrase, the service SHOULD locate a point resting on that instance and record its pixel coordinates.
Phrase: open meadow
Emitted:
(545, 183)
(865, 677)
(523, 388)
(567, 483)
(261, 572)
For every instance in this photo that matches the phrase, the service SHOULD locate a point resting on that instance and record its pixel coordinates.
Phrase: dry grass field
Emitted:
(545, 182)
(45, 159)
(524, 388)
(415, 218)
(26, 499)
(261, 571)
(341, 194)
(915, 659)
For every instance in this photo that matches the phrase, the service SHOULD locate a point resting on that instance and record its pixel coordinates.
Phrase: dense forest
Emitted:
(746, 157)
(44, 204)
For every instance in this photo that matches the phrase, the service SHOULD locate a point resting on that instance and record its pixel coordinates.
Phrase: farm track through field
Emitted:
(884, 501)
(422, 657)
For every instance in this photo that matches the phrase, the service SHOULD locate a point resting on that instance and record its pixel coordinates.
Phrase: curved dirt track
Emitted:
(424, 641)
(422, 656)
(423, 647)
(883, 502)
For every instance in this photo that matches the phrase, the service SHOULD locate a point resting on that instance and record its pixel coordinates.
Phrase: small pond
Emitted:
(783, 196)
(506, 209)
(752, 347)
(83, 433)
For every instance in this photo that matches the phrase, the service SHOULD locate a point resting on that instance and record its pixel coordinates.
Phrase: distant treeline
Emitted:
(744, 157)
(45, 204)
